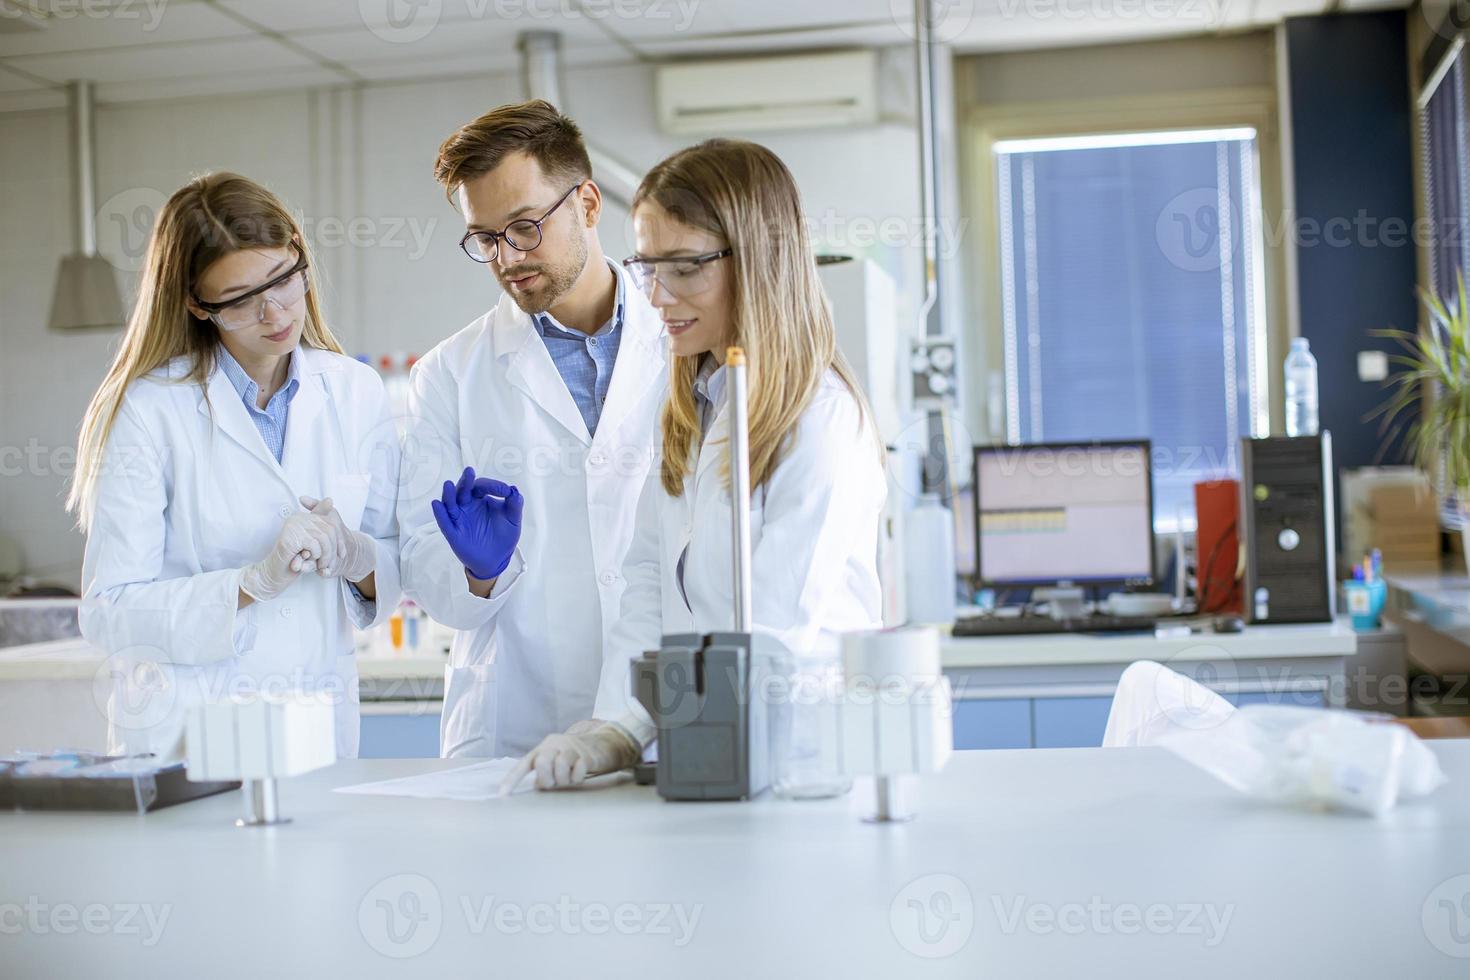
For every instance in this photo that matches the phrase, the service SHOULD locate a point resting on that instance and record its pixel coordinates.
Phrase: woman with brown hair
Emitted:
(236, 478)
(723, 255)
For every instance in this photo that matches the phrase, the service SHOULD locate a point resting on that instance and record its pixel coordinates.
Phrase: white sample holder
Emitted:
(896, 713)
(257, 739)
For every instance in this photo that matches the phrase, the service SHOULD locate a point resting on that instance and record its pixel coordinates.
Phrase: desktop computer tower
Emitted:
(1287, 525)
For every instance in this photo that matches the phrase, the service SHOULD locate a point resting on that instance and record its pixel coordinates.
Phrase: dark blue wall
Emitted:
(1353, 154)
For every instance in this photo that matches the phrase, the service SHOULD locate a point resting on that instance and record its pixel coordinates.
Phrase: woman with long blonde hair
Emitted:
(236, 478)
(723, 254)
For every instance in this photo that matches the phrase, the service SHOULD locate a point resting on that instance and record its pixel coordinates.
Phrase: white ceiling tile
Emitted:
(770, 16)
(12, 82)
(1274, 11)
(638, 20)
(96, 25)
(241, 57)
(406, 21)
(224, 83)
(32, 99)
(467, 66)
(296, 15)
(878, 35)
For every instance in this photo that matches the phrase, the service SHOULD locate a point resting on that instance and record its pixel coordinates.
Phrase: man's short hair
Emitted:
(534, 127)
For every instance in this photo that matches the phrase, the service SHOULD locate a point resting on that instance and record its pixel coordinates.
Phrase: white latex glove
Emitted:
(357, 553)
(588, 748)
(305, 538)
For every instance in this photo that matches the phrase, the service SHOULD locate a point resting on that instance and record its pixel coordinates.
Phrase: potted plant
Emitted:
(1432, 386)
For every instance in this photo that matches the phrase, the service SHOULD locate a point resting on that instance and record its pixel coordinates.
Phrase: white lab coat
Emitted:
(525, 661)
(189, 496)
(814, 549)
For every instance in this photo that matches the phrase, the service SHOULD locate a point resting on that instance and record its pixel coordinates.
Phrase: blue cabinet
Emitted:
(992, 724)
(1070, 723)
(399, 736)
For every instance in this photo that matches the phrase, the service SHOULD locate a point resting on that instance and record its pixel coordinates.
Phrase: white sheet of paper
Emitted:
(477, 782)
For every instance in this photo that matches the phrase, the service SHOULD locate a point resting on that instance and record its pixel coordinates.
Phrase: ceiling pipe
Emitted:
(86, 294)
(541, 79)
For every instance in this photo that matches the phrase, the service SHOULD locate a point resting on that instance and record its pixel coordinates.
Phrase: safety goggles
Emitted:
(523, 235)
(683, 277)
(282, 292)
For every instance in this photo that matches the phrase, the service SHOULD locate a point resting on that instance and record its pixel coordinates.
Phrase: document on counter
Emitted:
(478, 782)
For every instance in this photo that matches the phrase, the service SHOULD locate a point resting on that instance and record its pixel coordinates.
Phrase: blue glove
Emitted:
(481, 520)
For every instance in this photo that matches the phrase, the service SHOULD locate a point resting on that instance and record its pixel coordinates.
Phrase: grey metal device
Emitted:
(703, 691)
(704, 694)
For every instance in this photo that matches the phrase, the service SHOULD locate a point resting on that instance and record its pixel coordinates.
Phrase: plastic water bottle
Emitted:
(1301, 390)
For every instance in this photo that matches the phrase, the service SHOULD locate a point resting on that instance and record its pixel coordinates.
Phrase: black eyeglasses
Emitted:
(284, 290)
(523, 235)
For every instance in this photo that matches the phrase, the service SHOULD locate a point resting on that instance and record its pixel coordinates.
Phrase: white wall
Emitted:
(341, 156)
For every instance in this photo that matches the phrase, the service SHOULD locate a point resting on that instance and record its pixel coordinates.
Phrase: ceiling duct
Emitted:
(86, 295)
(541, 79)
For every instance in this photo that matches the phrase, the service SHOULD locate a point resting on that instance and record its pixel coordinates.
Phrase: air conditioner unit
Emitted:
(835, 89)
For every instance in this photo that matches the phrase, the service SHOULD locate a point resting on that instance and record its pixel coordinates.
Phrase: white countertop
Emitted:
(75, 659)
(1047, 863)
(1253, 643)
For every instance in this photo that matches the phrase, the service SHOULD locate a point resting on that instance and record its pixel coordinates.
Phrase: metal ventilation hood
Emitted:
(541, 79)
(86, 295)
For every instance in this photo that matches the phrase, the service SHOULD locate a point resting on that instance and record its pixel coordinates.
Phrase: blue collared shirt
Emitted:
(270, 421)
(585, 362)
(709, 392)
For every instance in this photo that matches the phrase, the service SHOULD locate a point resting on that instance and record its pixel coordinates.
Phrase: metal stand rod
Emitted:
(262, 808)
(891, 798)
(739, 415)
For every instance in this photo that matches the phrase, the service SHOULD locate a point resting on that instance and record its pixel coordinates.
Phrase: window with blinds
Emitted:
(1133, 299)
(1442, 132)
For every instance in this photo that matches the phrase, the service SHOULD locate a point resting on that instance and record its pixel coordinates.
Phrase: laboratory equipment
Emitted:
(806, 730)
(929, 561)
(1301, 389)
(896, 714)
(707, 694)
(257, 739)
(1072, 514)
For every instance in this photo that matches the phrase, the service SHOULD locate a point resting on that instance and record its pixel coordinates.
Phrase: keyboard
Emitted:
(1031, 625)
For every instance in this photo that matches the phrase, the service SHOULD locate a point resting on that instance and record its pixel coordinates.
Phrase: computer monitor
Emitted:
(1064, 513)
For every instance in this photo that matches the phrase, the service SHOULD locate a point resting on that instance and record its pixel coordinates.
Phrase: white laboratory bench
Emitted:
(1054, 691)
(1084, 862)
(1048, 691)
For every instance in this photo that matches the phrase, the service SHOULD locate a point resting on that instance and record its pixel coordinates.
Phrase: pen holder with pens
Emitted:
(1364, 601)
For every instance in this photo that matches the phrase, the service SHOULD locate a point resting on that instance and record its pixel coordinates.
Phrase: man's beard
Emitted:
(557, 280)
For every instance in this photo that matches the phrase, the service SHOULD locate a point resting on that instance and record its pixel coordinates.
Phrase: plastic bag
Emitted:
(1293, 755)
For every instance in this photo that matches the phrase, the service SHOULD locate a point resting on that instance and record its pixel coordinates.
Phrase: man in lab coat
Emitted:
(529, 437)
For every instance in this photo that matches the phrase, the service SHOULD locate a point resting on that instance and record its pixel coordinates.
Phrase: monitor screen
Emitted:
(1076, 512)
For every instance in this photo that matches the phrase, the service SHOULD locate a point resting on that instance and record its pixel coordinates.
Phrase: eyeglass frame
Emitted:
(496, 236)
(699, 261)
(215, 309)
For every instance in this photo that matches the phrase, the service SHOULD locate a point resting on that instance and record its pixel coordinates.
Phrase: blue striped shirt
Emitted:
(585, 361)
(270, 421)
